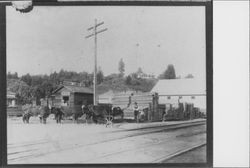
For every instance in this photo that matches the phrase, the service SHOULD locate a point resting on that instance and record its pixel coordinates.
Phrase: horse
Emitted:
(26, 115)
(77, 115)
(97, 113)
(45, 111)
(88, 113)
(85, 110)
(58, 114)
(105, 114)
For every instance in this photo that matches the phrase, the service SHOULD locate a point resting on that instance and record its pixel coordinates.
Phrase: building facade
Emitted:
(72, 97)
(11, 99)
(174, 91)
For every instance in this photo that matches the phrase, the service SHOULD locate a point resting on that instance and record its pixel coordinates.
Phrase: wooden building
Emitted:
(174, 91)
(106, 98)
(145, 100)
(13, 108)
(11, 99)
(72, 97)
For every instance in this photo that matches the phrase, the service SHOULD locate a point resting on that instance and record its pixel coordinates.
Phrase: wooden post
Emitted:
(95, 68)
(95, 32)
(149, 112)
(191, 111)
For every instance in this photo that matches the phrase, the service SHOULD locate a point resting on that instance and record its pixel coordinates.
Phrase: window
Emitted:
(193, 97)
(180, 97)
(65, 101)
(169, 97)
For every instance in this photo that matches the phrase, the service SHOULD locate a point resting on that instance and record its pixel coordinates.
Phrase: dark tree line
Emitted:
(34, 87)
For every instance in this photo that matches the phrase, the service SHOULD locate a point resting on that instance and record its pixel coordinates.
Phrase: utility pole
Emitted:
(95, 32)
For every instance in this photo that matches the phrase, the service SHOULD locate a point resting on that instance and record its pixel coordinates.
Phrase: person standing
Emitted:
(136, 111)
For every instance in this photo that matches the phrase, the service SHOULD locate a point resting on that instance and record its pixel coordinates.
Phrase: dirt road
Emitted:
(81, 143)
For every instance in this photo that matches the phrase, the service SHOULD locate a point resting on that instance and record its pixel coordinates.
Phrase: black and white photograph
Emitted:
(108, 84)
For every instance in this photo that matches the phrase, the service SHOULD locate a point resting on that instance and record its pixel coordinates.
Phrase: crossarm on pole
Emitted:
(97, 32)
(99, 24)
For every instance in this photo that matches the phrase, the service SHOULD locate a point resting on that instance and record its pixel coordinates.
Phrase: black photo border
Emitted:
(209, 78)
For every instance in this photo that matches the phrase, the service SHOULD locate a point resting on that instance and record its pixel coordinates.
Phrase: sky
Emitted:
(49, 39)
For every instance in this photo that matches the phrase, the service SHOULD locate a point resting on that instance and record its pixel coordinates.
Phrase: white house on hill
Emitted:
(191, 90)
(11, 99)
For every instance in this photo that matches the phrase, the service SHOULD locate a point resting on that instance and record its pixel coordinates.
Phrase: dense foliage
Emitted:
(169, 73)
(34, 87)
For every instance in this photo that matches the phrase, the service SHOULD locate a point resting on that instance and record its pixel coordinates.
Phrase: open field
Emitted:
(90, 143)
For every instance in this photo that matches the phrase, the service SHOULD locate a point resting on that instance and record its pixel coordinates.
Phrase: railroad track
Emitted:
(165, 158)
(27, 150)
(145, 147)
(164, 127)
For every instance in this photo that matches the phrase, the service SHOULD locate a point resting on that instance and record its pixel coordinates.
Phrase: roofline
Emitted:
(63, 86)
(59, 88)
(83, 92)
(78, 92)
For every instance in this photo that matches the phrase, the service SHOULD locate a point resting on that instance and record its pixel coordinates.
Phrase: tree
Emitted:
(139, 71)
(27, 79)
(134, 75)
(121, 67)
(169, 73)
(99, 76)
(12, 76)
(189, 76)
(128, 80)
(23, 94)
(15, 75)
(88, 81)
(111, 77)
(47, 88)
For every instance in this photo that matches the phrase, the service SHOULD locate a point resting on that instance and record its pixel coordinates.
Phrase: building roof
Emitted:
(109, 93)
(180, 87)
(75, 89)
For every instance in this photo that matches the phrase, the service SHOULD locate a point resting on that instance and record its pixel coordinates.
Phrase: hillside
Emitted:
(34, 87)
(119, 84)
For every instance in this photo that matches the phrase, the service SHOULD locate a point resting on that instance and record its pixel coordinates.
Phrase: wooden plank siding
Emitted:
(144, 100)
(80, 99)
(76, 100)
